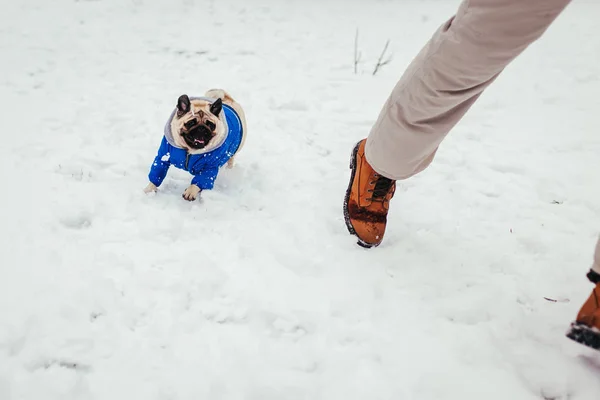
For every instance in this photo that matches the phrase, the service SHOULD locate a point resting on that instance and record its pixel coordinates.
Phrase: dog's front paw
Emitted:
(191, 193)
(150, 188)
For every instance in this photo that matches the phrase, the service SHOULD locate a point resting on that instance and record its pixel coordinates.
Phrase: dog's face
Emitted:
(199, 121)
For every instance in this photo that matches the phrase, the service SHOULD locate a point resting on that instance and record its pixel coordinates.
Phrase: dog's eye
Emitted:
(190, 124)
(210, 125)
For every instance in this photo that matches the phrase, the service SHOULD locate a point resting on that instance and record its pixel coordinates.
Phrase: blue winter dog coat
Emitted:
(205, 166)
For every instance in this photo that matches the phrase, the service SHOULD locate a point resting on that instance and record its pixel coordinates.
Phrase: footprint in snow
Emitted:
(81, 221)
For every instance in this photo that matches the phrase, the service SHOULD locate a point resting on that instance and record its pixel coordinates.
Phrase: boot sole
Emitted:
(584, 335)
(349, 225)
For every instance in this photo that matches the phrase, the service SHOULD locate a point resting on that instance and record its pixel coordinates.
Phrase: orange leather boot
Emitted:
(367, 200)
(586, 328)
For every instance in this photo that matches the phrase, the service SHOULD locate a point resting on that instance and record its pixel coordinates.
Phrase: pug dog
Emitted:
(201, 135)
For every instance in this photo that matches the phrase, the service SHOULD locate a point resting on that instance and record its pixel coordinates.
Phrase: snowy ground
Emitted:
(257, 291)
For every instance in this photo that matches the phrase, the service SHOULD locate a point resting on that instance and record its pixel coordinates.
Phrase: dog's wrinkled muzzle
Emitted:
(196, 134)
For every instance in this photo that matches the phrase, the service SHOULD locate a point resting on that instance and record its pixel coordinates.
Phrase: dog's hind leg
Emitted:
(231, 162)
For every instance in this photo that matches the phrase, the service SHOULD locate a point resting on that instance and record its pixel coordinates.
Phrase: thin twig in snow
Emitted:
(357, 54)
(382, 63)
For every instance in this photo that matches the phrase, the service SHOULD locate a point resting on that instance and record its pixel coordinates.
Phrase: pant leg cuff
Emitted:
(381, 171)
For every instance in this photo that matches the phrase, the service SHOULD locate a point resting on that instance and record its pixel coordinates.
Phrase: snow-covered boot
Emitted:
(367, 200)
(586, 328)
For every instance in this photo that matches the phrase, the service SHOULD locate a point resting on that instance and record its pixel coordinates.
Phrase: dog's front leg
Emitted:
(191, 193)
(150, 188)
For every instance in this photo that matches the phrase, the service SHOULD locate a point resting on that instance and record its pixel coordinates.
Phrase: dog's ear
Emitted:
(183, 104)
(216, 107)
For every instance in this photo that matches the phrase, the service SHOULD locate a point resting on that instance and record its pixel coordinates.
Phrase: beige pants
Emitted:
(464, 56)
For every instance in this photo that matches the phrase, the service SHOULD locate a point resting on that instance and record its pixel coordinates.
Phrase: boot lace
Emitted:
(382, 187)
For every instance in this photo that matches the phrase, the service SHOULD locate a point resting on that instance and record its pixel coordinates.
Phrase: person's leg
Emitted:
(461, 59)
(586, 328)
(459, 62)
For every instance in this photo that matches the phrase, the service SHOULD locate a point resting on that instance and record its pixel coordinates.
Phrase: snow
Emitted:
(257, 291)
